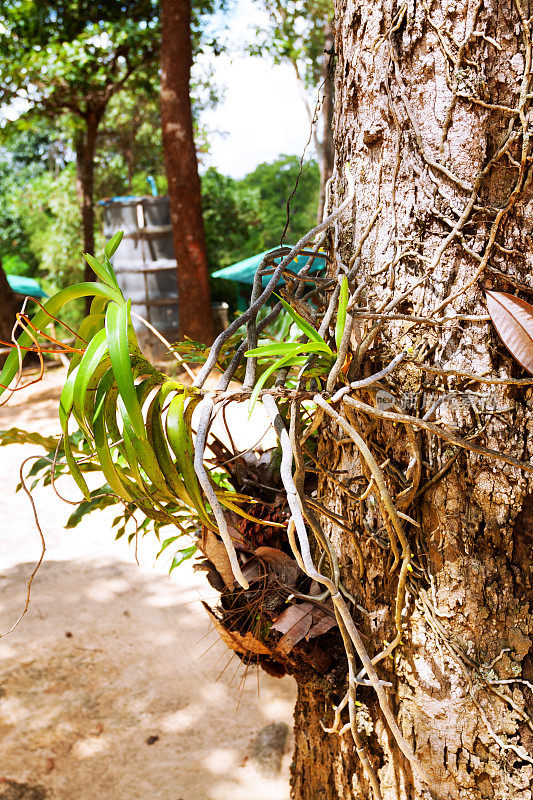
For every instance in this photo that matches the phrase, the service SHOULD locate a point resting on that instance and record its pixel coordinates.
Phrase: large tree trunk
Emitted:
(184, 189)
(425, 94)
(85, 146)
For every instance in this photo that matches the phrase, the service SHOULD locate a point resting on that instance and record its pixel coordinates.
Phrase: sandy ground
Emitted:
(112, 686)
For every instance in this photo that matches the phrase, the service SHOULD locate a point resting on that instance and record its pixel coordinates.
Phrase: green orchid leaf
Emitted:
(158, 442)
(341, 311)
(304, 326)
(141, 447)
(288, 348)
(288, 361)
(66, 402)
(117, 327)
(47, 314)
(180, 438)
(112, 245)
(100, 270)
(96, 350)
(116, 480)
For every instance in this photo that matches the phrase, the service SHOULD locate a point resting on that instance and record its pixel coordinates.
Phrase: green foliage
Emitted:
(47, 212)
(292, 353)
(30, 147)
(231, 213)
(85, 51)
(23, 157)
(132, 421)
(15, 247)
(247, 216)
(48, 209)
(72, 57)
(296, 34)
(274, 183)
(12, 264)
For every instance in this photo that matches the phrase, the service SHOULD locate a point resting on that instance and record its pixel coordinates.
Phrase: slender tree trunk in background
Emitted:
(424, 101)
(327, 149)
(9, 306)
(130, 166)
(85, 146)
(184, 189)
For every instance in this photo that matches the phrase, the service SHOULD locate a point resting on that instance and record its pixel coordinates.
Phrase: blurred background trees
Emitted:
(66, 59)
(83, 80)
(301, 34)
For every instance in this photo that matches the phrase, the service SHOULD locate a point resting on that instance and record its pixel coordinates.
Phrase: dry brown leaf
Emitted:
(294, 623)
(323, 621)
(291, 615)
(513, 319)
(212, 547)
(282, 565)
(235, 640)
(273, 555)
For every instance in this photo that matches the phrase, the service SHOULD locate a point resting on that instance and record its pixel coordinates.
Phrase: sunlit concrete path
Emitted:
(108, 687)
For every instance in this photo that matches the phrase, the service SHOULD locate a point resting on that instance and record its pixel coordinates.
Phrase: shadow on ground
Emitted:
(108, 689)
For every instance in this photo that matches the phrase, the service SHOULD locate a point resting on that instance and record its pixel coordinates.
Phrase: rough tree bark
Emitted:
(432, 112)
(195, 317)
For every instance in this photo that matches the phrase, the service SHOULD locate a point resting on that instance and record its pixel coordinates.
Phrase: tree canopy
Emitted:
(296, 35)
(73, 56)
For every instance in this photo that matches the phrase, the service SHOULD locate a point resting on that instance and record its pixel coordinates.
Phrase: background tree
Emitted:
(432, 112)
(70, 58)
(195, 318)
(301, 34)
(129, 143)
(9, 306)
(275, 182)
(25, 154)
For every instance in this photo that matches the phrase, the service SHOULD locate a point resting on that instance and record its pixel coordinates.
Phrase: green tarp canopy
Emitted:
(26, 286)
(244, 271)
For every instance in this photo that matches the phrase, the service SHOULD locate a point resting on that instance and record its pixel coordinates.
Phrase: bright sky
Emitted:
(261, 114)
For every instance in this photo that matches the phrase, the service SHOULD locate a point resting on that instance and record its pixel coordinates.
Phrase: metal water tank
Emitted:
(145, 265)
